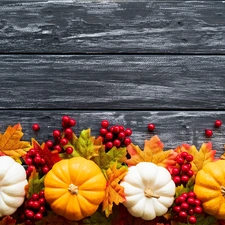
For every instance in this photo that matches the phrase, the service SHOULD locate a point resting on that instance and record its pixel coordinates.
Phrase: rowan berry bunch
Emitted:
(182, 172)
(185, 208)
(116, 135)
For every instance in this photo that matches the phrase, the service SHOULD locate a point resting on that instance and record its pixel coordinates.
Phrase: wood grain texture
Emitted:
(112, 26)
(172, 127)
(112, 82)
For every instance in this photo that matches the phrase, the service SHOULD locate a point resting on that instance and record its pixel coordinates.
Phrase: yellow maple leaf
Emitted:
(114, 191)
(201, 157)
(11, 144)
(153, 152)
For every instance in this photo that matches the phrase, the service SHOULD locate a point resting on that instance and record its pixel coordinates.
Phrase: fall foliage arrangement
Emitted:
(107, 180)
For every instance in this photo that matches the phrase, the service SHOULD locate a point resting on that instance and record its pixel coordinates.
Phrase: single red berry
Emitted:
(184, 179)
(185, 195)
(68, 133)
(37, 160)
(180, 160)
(109, 144)
(35, 127)
(56, 134)
(29, 214)
(111, 129)
(29, 161)
(32, 152)
(184, 168)
(191, 201)
(117, 142)
(30, 204)
(121, 135)
(192, 220)
(109, 136)
(208, 133)
(42, 209)
(43, 161)
(183, 155)
(175, 171)
(189, 158)
(190, 173)
(31, 168)
(28, 222)
(184, 206)
(58, 148)
(151, 127)
(49, 144)
(190, 212)
(69, 150)
(105, 123)
(38, 216)
(116, 129)
(41, 194)
(65, 120)
(72, 123)
(35, 196)
(121, 128)
(128, 132)
(183, 214)
(191, 194)
(176, 180)
(198, 209)
(127, 141)
(198, 202)
(41, 201)
(176, 209)
(45, 169)
(36, 204)
(64, 141)
(218, 123)
(103, 131)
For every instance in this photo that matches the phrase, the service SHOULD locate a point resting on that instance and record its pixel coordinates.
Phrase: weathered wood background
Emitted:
(131, 62)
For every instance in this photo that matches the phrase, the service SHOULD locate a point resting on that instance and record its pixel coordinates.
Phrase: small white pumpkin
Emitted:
(149, 190)
(12, 185)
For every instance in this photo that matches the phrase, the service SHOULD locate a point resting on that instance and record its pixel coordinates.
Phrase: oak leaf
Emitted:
(204, 155)
(114, 191)
(105, 159)
(11, 144)
(153, 152)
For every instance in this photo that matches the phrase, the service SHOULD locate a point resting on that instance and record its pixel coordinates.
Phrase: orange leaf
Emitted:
(11, 144)
(7, 220)
(201, 157)
(153, 152)
(114, 191)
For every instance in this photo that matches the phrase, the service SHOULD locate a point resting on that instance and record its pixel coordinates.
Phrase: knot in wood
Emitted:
(150, 194)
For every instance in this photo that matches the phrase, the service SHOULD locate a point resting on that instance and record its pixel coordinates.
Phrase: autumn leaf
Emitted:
(153, 152)
(7, 220)
(97, 218)
(54, 219)
(51, 157)
(105, 159)
(35, 183)
(11, 144)
(114, 191)
(201, 157)
(83, 145)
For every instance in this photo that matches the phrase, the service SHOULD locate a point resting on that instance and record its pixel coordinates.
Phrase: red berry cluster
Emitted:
(182, 172)
(61, 140)
(185, 208)
(34, 209)
(115, 135)
(34, 160)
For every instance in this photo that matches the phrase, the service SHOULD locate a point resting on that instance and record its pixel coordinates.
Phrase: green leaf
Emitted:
(96, 219)
(105, 159)
(35, 184)
(206, 220)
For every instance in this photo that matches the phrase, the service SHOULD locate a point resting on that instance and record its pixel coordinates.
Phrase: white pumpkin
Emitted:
(149, 190)
(12, 185)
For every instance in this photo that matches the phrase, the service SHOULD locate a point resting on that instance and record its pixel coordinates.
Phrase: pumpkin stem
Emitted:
(73, 189)
(149, 193)
(222, 190)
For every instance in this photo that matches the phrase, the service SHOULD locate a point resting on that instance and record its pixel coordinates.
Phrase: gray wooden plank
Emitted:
(112, 26)
(172, 127)
(112, 82)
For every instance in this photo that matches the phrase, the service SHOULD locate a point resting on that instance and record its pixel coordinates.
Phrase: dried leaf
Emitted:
(153, 152)
(35, 183)
(7, 220)
(11, 144)
(201, 157)
(51, 157)
(114, 191)
(105, 159)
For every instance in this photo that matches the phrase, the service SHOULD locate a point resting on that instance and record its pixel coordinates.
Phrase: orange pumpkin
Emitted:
(210, 188)
(74, 188)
